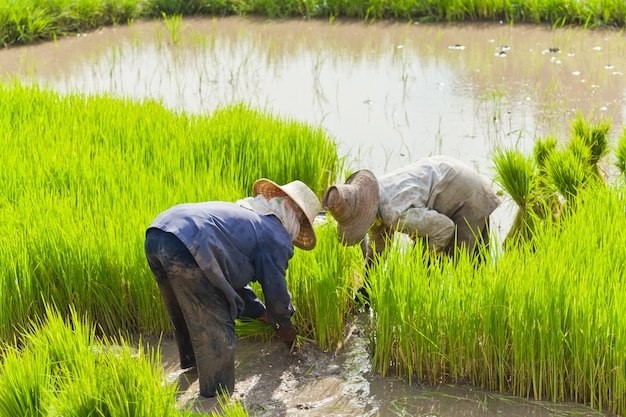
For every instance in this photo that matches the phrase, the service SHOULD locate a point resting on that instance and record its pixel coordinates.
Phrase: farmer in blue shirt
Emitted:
(204, 255)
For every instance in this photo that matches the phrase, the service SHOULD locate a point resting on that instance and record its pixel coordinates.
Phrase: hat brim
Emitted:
(352, 232)
(269, 189)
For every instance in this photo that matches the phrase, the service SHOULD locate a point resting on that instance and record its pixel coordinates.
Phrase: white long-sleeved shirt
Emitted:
(434, 197)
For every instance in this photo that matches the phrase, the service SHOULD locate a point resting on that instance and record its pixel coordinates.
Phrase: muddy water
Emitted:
(271, 381)
(388, 93)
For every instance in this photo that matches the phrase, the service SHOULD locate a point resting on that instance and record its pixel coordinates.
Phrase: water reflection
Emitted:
(388, 92)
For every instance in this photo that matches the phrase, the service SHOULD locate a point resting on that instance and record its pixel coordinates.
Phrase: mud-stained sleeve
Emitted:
(271, 273)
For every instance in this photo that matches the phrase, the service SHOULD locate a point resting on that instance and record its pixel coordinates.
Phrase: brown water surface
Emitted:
(389, 93)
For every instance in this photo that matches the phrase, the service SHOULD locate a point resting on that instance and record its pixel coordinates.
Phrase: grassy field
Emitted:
(27, 21)
(87, 174)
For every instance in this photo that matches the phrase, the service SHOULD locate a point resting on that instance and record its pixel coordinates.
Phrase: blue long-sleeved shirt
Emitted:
(234, 246)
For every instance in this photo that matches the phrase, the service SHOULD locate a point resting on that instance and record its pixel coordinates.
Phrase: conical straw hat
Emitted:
(354, 205)
(304, 198)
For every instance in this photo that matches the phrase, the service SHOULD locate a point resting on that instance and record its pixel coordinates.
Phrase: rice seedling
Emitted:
(594, 137)
(545, 324)
(253, 328)
(568, 171)
(76, 203)
(174, 25)
(322, 284)
(538, 186)
(620, 153)
(518, 177)
(63, 369)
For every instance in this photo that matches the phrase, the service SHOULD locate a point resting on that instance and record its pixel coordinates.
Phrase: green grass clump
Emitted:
(87, 176)
(543, 321)
(64, 369)
(547, 184)
(27, 21)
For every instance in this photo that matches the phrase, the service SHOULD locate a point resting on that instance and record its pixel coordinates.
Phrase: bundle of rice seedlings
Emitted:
(620, 153)
(518, 177)
(516, 174)
(595, 137)
(569, 173)
(543, 150)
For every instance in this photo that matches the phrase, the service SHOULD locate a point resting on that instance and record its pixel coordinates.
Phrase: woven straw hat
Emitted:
(305, 199)
(353, 205)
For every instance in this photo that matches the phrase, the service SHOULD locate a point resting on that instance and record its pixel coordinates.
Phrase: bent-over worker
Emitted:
(204, 255)
(439, 199)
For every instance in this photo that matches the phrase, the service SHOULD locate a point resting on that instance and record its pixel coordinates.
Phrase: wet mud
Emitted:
(272, 381)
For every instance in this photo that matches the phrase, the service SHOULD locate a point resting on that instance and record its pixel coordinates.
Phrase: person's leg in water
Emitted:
(206, 313)
(155, 250)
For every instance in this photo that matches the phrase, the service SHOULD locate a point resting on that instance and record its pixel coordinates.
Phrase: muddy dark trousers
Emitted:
(200, 314)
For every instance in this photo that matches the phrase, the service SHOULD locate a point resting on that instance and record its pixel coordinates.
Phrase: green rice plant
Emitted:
(542, 150)
(174, 25)
(256, 329)
(24, 385)
(595, 137)
(322, 284)
(90, 173)
(63, 369)
(538, 186)
(543, 321)
(230, 407)
(423, 326)
(518, 176)
(620, 153)
(569, 170)
(568, 307)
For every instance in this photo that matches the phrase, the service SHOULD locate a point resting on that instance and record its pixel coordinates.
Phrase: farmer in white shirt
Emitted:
(439, 199)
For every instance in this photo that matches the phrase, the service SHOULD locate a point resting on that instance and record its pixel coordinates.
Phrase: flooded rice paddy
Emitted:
(273, 382)
(389, 93)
